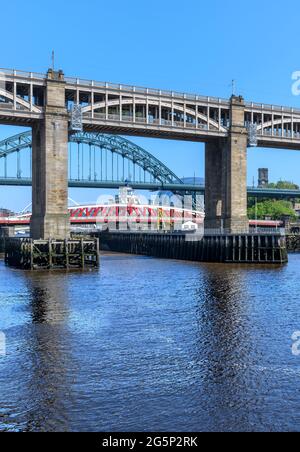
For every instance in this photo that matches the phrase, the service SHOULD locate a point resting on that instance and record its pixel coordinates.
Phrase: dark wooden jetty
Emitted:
(31, 254)
(293, 243)
(227, 248)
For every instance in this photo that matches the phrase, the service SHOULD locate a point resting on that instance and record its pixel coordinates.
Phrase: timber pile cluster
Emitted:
(293, 243)
(2, 242)
(31, 254)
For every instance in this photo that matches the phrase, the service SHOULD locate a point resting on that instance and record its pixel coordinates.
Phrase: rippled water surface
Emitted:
(150, 345)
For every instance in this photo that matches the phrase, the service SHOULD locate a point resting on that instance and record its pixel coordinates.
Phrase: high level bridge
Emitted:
(52, 105)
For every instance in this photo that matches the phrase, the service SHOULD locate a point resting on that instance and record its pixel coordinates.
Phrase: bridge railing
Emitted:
(22, 74)
(252, 231)
(275, 108)
(281, 133)
(145, 91)
(143, 120)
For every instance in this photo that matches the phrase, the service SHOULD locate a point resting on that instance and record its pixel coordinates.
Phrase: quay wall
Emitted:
(231, 248)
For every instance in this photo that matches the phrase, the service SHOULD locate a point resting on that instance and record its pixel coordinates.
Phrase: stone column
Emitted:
(50, 218)
(235, 170)
(226, 176)
(214, 190)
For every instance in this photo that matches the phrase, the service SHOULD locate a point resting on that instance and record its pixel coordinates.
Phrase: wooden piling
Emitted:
(52, 254)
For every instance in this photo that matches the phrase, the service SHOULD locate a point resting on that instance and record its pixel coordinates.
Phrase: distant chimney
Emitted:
(263, 177)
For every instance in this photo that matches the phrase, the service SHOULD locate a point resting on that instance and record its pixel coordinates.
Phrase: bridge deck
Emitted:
(122, 109)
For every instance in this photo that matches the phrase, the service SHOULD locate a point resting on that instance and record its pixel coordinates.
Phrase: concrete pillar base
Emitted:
(211, 224)
(214, 191)
(237, 225)
(50, 226)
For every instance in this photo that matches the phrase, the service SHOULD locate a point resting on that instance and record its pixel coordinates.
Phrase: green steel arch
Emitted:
(15, 143)
(113, 143)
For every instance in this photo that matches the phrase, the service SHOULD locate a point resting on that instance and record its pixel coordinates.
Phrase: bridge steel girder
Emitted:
(259, 193)
(130, 151)
(125, 148)
(130, 110)
(113, 143)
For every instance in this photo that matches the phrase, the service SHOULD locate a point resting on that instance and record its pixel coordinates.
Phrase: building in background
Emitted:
(263, 177)
(297, 208)
(5, 213)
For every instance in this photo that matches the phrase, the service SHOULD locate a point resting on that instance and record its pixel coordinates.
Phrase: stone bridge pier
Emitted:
(225, 168)
(226, 176)
(50, 218)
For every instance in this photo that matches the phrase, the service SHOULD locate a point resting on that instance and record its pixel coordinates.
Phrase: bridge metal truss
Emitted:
(122, 109)
(130, 151)
(146, 169)
(161, 177)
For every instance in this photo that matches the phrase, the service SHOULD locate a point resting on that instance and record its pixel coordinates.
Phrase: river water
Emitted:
(150, 345)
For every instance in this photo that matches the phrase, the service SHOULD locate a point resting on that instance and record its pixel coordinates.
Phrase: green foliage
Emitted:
(284, 185)
(271, 208)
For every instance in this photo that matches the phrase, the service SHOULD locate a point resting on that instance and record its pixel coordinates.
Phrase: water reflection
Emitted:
(48, 357)
(48, 297)
(39, 304)
(150, 345)
(223, 342)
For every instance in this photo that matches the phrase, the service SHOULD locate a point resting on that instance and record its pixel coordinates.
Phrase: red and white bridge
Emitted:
(98, 215)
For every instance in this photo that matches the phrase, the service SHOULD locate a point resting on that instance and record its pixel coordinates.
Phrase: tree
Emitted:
(271, 208)
(283, 185)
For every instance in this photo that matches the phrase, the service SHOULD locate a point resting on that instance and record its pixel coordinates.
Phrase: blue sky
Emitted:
(195, 46)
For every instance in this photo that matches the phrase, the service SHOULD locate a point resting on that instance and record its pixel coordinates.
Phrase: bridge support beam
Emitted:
(50, 218)
(214, 190)
(226, 176)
